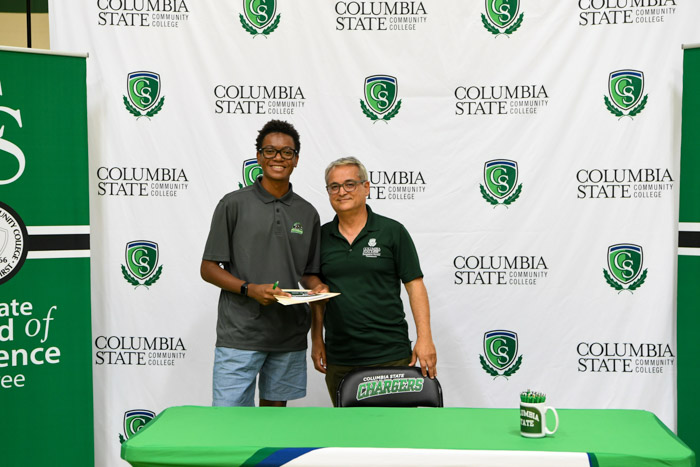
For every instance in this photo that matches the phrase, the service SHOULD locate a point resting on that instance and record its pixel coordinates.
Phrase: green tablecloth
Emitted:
(227, 436)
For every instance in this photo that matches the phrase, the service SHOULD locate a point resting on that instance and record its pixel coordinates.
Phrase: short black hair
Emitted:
(278, 126)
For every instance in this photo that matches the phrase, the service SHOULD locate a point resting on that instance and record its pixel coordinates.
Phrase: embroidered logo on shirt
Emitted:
(372, 250)
(297, 228)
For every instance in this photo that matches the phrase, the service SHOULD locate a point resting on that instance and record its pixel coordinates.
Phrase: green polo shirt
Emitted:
(366, 324)
(262, 239)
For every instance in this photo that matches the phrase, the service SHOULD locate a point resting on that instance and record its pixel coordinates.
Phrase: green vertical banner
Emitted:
(688, 297)
(45, 328)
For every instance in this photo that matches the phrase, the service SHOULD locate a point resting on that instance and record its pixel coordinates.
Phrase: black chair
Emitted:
(388, 386)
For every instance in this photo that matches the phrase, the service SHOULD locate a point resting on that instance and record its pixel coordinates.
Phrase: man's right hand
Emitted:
(264, 294)
(318, 355)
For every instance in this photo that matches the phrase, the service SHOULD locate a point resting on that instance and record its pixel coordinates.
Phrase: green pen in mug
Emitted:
(533, 415)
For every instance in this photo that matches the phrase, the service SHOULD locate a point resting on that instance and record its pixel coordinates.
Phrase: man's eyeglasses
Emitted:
(349, 185)
(269, 152)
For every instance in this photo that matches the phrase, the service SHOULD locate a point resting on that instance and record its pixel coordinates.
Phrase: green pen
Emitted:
(274, 286)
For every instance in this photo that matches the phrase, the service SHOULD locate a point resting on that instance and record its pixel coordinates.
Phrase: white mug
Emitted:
(533, 421)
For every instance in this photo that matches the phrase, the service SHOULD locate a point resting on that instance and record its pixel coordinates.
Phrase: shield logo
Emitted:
(141, 258)
(626, 87)
(381, 92)
(500, 348)
(4, 235)
(259, 12)
(502, 12)
(134, 420)
(625, 261)
(251, 171)
(500, 177)
(143, 88)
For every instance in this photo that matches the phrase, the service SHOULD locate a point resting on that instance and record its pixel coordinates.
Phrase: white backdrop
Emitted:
(592, 177)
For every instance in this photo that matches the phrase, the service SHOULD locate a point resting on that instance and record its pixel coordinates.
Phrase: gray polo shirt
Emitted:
(262, 239)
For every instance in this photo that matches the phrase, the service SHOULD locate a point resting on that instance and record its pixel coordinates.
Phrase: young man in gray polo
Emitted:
(263, 238)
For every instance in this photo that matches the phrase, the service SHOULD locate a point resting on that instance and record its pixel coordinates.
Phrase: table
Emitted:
(267, 436)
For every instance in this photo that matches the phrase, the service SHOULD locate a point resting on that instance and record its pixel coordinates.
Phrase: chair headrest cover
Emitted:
(388, 387)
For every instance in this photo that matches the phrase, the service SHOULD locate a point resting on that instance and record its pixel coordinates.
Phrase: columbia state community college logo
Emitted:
(500, 180)
(502, 17)
(135, 420)
(403, 185)
(258, 99)
(251, 172)
(143, 14)
(380, 102)
(141, 263)
(165, 182)
(624, 271)
(500, 352)
(623, 13)
(643, 358)
(625, 88)
(369, 15)
(143, 91)
(163, 351)
(502, 100)
(259, 17)
(638, 182)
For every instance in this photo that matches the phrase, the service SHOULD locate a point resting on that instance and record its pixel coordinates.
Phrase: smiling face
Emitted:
(347, 201)
(277, 169)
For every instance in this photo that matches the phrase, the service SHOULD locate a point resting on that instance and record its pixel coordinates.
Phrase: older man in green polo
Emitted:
(366, 257)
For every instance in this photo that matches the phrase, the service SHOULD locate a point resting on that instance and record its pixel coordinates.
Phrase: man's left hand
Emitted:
(424, 350)
(320, 288)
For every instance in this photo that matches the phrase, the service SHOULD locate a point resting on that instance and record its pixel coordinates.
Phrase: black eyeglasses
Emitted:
(269, 152)
(349, 185)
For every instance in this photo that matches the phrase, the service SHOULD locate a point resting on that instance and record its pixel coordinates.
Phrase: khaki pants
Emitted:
(335, 374)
